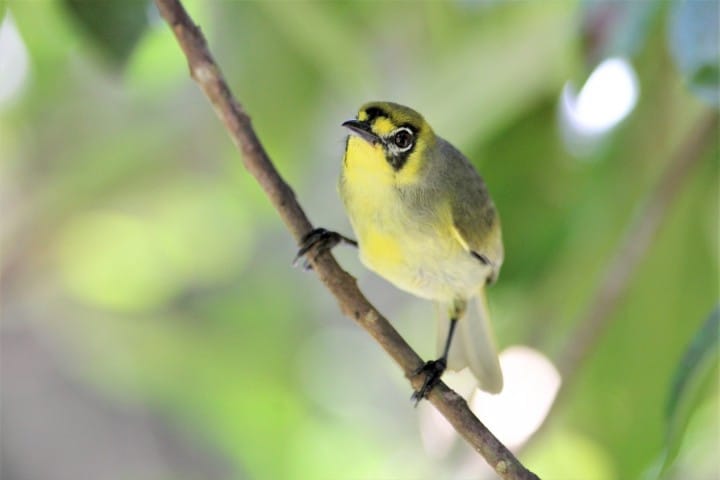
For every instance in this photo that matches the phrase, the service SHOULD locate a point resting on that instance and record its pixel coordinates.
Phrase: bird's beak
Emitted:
(362, 130)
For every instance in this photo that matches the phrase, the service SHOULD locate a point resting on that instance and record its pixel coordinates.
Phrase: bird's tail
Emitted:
(474, 345)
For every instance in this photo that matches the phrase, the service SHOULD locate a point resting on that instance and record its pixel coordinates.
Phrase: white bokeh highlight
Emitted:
(531, 384)
(14, 61)
(608, 96)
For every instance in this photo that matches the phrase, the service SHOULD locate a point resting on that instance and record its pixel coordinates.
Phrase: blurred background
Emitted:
(153, 327)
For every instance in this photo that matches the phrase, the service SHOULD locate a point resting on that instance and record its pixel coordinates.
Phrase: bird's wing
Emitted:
(476, 224)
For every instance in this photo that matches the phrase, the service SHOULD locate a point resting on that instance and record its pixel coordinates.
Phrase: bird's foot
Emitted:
(433, 370)
(321, 240)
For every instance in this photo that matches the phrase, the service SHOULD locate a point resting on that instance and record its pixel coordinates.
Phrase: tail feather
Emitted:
(474, 346)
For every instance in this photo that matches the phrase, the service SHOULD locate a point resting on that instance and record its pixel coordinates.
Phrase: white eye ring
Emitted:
(403, 139)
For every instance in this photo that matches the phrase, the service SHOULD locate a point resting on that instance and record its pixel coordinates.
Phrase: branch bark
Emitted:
(342, 285)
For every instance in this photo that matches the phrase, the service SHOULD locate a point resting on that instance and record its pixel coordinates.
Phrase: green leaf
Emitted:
(694, 38)
(695, 373)
(114, 26)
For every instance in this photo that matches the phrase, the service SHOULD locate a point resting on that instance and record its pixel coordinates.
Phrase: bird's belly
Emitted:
(429, 266)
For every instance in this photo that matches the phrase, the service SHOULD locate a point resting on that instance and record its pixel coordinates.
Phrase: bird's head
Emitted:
(400, 133)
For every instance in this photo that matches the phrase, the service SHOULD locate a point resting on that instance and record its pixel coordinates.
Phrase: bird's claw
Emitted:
(320, 239)
(433, 370)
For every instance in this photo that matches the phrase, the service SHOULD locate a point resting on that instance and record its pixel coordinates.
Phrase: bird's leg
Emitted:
(434, 369)
(321, 240)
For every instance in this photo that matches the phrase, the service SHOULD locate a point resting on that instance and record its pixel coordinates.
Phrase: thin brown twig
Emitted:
(343, 286)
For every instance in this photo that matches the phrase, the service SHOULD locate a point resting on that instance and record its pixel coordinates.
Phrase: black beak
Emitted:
(362, 129)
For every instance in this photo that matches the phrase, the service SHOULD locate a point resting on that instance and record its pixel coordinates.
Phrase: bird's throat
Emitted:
(365, 164)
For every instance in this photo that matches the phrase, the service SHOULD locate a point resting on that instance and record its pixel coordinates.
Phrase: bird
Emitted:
(424, 221)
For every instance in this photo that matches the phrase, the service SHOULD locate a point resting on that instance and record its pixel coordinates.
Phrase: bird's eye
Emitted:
(403, 139)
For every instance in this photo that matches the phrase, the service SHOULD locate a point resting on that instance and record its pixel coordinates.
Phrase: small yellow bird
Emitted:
(425, 222)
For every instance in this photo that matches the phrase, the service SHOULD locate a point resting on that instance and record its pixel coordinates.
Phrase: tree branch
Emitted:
(453, 407)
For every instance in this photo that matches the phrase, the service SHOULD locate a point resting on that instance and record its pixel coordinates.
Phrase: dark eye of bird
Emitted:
(403, 139)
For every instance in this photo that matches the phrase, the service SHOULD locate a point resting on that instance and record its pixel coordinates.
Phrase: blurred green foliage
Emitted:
(138, 251)
(113, 27)
(696, 374)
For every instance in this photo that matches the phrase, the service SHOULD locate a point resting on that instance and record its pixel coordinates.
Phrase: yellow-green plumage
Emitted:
(424, 221)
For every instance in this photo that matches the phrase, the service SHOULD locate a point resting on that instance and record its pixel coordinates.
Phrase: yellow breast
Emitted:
(366, 188)
(381, 251)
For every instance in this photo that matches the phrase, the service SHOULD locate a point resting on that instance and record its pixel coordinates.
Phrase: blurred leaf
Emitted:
(694, 44)
(702, 347)
(2, 9)
(693, 375)
(115, 26)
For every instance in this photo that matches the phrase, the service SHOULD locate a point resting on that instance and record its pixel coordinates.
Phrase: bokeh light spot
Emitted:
(531, 383)
(14, 61)
(108, 259)
(608, 96)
